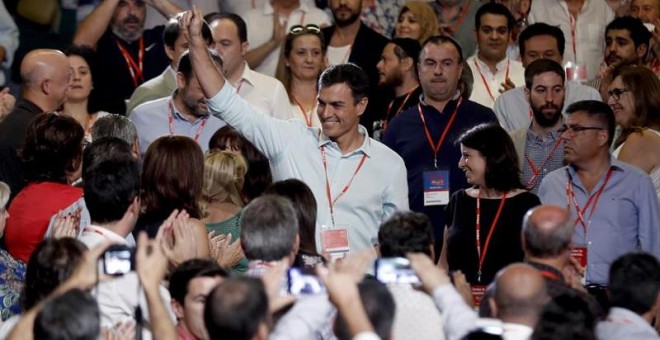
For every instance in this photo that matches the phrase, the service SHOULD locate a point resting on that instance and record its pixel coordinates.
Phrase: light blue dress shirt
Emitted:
(378, 190)
(626, 218)
(151, 121)
(512, 109)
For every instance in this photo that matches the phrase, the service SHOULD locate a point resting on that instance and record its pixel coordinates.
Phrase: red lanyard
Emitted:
(481, 255)
(170, 118)
(343, 191)
(389, 108)
(308, 118)
(461, 17)
(549, 275)
(437, 147)
(570, 193)
(483, 79)
(238, 88)
(573, 29)
(134, 68)
(535, 170)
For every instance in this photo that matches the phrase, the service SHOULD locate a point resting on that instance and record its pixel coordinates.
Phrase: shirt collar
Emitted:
(177, 115)
(616, 164)
(545, 268)
(501, 66)
(554, 135)
(622, 315)
(104, 232)
(364, 148)
(248, 75)
(451, 102)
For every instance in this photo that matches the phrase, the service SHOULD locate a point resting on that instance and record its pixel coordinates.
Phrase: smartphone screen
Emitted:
(304, 282)
(118, 260)
(396, 271)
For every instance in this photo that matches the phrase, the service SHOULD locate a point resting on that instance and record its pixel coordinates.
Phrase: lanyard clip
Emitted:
(435, 162)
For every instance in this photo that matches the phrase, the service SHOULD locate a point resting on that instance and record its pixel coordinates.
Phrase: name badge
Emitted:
(436, 187)
(576, 72)
(478, 293)
(579, 254)
(335, 242)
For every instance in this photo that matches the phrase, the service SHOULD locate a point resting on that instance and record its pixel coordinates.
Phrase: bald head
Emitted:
(520, 293)
(547, 232)
(45, 75)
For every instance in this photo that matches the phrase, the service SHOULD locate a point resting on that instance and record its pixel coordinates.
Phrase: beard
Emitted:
(341, 22)
(393, 79)
(128, 35)
(547, 119)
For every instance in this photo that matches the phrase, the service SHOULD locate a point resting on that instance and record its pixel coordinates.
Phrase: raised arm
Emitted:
(95, 24)
(268, 134)
(165, 7)
(257, 55)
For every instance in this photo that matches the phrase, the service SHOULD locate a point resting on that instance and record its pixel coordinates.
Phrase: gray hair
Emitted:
(5, 192)
(269, 227)
(546, 242)
(114, 125)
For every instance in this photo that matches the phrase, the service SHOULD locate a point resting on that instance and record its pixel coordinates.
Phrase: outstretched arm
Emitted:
(95, 24)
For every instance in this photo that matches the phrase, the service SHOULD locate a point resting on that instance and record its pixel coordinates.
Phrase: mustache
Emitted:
(549, 106)
(131, 19)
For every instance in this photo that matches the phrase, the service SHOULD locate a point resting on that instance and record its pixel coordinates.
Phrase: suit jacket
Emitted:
(159, 87)
(365, 52)
(12, 136)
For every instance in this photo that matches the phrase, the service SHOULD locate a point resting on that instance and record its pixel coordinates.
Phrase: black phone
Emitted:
(119, 260)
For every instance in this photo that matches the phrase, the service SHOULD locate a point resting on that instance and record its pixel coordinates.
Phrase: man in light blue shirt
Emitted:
(613, 205)
(184, 113)
(357, 182)
(538, 41)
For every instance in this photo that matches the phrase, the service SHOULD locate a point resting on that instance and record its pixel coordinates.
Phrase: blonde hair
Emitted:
(426, 17)
(4, 194)
(224, 173)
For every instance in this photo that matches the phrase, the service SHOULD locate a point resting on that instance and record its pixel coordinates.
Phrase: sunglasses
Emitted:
(299, 29)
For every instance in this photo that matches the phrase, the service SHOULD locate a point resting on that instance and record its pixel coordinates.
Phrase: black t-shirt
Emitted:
(113, 83)
(505, 245)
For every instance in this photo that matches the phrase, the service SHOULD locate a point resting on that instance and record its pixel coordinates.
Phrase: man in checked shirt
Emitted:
(540, 148)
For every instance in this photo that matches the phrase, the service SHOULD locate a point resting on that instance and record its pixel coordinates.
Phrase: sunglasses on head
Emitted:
(299, 29)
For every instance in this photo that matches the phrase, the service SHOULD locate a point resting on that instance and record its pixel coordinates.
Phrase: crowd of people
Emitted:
(340, 169)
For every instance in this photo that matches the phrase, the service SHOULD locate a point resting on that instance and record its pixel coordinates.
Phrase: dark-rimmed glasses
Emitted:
(299, 29)
(575, 129)
(616, 93)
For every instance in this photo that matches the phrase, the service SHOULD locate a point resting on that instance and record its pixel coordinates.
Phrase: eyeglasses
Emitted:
(616, 93)
(300, 29)
(575, 129)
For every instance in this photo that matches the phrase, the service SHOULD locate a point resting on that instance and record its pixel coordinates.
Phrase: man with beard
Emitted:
(493, 71)
(425, 135)
(129, 54)
(539, 147)
(397, 69)
(537, 41)
(626, 43)
(187, 113)
(351, 41)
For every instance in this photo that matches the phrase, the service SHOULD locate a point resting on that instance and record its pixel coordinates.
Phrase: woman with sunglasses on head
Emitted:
(484, 222)
(301, 63)
(634, 96)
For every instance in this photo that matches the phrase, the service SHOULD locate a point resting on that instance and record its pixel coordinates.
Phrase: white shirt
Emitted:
(416, 315)
(512, 108)
(266, 94)
(589, 29)
(241, 7)
(378, 190)
(338, 55)
(259, 23)
(486, 87)
(305, 117)
(92, 235)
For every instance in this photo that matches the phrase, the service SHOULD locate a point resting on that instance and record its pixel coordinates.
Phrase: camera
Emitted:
(304, 282)
(119, 260)
(396, 271)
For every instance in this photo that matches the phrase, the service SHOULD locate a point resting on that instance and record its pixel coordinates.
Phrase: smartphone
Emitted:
(304, 282)
(396, 271)
(119, 260)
